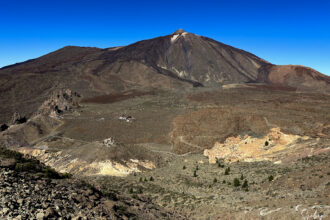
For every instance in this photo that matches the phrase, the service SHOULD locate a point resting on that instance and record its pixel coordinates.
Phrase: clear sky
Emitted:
(282, 32)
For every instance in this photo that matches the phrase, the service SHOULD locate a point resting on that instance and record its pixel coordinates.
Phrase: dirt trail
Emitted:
(181, 138)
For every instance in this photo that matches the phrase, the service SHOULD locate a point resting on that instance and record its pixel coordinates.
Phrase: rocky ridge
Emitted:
(31, 190)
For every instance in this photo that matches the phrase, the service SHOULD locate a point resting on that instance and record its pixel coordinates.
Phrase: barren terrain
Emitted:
(175, 127)
(159, 153)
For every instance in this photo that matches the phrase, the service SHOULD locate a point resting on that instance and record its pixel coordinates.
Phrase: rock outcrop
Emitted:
(65, 162)
(16, 116)
(109, 142)
(59, 102)
(249, 148)
(18, 119)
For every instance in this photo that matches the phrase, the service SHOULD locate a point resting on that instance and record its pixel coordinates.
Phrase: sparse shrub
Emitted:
(215, 180)
(31, 165)
(195, 173)
(51, 173)
(245, 184)
(140, 191)
(121, 209)
(151, 178)
(131, 191)
(28, 165)
(197, 168)
(242, 177)
(184, 167)
(140, 179)
(219, 163)
(270, 178)
(227, 171)
(145, 179)
(11, 154)
(236, 182)
(66, 175)
(224, 181)
(21, 167)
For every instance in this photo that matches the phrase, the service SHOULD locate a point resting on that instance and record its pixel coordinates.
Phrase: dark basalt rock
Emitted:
(4, 127)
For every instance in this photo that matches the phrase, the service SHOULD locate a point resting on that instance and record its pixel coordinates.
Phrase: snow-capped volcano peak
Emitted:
(179, 31)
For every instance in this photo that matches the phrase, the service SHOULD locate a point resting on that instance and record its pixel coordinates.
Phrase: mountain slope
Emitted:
(192, 58)
(177, 61)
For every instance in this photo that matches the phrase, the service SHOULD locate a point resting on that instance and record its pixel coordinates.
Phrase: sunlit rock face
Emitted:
(67, 163)
(248, 148)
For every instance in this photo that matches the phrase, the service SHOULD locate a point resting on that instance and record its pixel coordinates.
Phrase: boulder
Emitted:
(4, 127)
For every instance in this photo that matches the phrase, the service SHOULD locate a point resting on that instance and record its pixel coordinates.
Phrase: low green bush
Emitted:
(270, 178)
(31, 165)
(236, 182)
(227, 171)
(245, 184)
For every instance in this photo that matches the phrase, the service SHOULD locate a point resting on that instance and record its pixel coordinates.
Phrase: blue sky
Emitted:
(282, 32)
